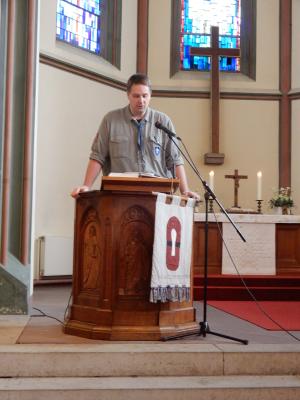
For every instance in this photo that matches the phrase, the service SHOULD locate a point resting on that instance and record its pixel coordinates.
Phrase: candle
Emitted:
(259, 186)
(211, 180)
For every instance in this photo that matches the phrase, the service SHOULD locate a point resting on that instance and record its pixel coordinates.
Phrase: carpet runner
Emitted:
(285, 313)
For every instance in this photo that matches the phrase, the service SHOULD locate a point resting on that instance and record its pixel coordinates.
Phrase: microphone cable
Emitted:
(259, 306)
(190, 161)
(43, 314)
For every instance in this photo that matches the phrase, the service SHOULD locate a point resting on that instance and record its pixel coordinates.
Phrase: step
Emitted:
(146, 388)
(148, 359)
(253, 280)
(263, 287)
(270, 293)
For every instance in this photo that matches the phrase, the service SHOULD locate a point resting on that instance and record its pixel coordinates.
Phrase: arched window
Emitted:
(92, 25)
(191, 22)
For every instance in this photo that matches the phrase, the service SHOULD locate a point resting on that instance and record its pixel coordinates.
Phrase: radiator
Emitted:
(55, 256)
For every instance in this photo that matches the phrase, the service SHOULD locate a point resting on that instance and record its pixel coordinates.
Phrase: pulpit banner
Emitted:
(172, 250)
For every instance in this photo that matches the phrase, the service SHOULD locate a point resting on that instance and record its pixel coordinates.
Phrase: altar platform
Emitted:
(46, 363)
(53, 299)
(272, 244)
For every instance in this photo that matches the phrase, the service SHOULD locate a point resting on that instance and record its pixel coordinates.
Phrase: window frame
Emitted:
(110, 33)
(248, 39)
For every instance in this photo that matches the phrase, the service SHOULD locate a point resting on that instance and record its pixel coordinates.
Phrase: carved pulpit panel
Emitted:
(91, 253)
(135, 254)
(113, 247)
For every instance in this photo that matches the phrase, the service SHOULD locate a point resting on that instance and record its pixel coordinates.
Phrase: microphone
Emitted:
(165, 129)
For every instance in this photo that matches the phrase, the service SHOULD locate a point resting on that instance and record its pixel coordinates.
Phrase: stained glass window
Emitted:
(78, 23)
(197, 17)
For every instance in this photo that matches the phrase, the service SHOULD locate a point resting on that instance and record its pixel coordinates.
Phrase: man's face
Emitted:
(139, 98)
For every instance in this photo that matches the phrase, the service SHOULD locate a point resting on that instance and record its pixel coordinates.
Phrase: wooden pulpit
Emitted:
(114, 232)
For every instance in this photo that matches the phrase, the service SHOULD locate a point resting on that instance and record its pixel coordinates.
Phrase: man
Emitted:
(128, 141)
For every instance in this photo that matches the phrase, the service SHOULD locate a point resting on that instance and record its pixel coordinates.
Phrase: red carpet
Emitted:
(285, 313)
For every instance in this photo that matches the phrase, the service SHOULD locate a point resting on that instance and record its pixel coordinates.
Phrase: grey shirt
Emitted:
(117, 149)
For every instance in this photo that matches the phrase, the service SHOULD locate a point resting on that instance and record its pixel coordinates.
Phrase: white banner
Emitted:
(172, 250)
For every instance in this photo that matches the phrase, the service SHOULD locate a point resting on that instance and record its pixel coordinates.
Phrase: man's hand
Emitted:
(75, 192)
(194, 195)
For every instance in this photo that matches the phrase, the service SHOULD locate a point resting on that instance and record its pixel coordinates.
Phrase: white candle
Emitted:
(259, 186)
(211, 180)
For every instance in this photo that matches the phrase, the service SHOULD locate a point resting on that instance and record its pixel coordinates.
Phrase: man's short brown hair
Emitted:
(138, 79)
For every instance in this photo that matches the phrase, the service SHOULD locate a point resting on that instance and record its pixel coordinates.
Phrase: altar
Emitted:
(272, 244)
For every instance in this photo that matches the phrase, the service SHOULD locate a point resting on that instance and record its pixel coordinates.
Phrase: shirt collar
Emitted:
(130, 117)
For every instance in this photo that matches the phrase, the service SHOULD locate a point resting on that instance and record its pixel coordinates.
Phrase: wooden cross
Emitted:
(214, 52)
(236, 178)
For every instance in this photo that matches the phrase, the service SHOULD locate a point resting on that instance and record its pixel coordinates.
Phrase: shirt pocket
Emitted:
(119, 147)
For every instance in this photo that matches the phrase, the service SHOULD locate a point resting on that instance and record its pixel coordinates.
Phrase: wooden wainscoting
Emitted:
(288, 249)
(214, 249)
(285, 285)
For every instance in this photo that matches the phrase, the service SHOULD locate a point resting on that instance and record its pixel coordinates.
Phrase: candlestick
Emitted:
(259, 206)
(211, 180)
(259, 185)
(211, 206)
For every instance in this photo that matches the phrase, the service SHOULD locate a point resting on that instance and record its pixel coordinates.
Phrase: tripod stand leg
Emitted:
(203, 331)
(204, 327)
(243, 341)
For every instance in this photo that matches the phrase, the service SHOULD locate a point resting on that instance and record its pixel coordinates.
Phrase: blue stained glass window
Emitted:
(197, 17)
(78, 23)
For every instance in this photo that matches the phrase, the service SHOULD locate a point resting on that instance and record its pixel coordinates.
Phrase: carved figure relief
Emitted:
(91, 257)
(135, 252)
(137, 264)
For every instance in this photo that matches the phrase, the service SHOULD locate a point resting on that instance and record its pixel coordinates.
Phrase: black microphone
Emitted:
(166, 130)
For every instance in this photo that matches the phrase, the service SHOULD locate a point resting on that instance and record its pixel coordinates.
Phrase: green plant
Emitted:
(282, 198)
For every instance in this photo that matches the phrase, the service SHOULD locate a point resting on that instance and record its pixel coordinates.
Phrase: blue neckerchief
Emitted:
(140, 134)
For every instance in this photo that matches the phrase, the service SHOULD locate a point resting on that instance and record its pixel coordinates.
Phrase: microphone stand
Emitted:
(204, 328)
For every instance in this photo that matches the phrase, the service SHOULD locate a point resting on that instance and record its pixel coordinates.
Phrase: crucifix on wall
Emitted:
(214, 52)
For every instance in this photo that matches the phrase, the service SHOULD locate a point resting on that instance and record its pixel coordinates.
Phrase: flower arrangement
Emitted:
(282, 198)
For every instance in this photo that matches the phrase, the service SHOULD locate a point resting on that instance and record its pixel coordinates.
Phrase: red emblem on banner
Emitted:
(173, 243)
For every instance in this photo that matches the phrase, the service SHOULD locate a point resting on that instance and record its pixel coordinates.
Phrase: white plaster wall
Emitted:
(248, 137)
(296, 105)
(70, 112)
(63, 51)
(248, 129)
(295, 45)
(70, 109)
(267, 70)
(295, 154)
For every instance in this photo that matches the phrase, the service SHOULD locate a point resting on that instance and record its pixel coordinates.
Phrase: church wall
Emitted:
(267, 69)
(256, 148)
(295, 45)
(295, 154)
(70, 110)
(295, 124)
(67, 123)
(65, 52)
(250, 144)
(71, 107)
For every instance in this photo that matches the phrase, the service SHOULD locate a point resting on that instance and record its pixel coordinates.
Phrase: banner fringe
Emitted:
(168, 293)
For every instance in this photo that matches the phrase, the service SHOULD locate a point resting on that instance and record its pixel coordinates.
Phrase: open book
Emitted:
(133, 175)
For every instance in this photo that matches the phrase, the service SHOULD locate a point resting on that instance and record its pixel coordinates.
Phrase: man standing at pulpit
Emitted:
(128, 141)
